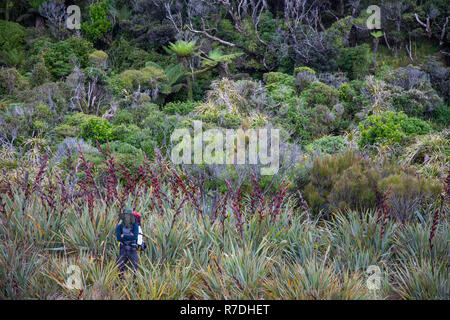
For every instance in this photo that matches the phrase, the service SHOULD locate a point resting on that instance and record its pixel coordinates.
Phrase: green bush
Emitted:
(57, 55)
(98, 24)
(97, 130)
(280, 87)
(305, 76)
(12, 43)
(130, 80)
(99, 59)
(123, 117)
(320, 93)
(355, 61)
(12, 81)
(40, 73)
(390, 127)
(327, 145)
(351, 97)
(278, 78)
(441, 115)
(354, 188)
(324, 173)
(123, 56)
(180, 107)
(71, 126)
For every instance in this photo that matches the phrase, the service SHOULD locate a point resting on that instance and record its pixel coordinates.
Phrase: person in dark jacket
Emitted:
(127, 238)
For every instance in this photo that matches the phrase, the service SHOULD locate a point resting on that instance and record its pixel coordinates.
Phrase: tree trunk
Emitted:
(188, 79)
(375, 50)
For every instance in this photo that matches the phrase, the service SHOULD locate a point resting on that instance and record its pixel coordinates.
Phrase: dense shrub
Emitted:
(320, 93)
(58, 56)
(40, 73)
(179, 107)
(123, 117)
(124, 56)
(355, 61)
(12, 43)
(98, 24)
(412, 92)
(147, 78)
(409, 192)
(352, 98)
(71, 126)
(324, 173)
(390, 127)
(347, 181)
(304, 76)
(97, 130)
(11, 81)
(327, 145)
(439, 76)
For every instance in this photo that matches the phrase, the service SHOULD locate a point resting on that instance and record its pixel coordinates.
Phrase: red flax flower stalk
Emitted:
(445, 197)
(384, 211)
(279, 199)
(184, 187)
(255, 196)
(236, 206)
(176, 215)
(157, 194)
(111, 178)
(223, 212)
(433, 228)
(40, 175)
(130, 182)
(88, 186)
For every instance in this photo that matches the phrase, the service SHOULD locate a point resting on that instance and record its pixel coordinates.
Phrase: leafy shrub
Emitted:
(327, 145)
(324, 173)
(280, 88)
(355, 61)
(123, 117)
(412, 92)
(278, 78)
(123, 56)
(40, 73)
(11, 81)
(320, 93)
(97, 130)
(179, 107)
(351, 97)
(305, 76)
(414, 126)
(146, 78)
(353, 188)
(441, 115)
(72, 124)
(98, 24)
(12, 42)
(390, 127)
(99, 59)
(58, 55)
(439, 76)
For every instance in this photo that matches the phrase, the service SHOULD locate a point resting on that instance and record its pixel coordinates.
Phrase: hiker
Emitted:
(127, 234)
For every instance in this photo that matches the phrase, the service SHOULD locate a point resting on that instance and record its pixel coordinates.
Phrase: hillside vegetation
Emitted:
(86, 117)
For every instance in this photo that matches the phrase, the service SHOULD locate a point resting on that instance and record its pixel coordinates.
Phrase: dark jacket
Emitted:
(119, 231)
